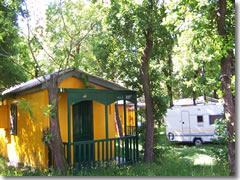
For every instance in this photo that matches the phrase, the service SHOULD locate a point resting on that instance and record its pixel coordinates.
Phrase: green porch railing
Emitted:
(93, 153)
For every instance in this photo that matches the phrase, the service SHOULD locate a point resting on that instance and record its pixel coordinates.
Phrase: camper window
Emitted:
(212, 118)
(200, 119)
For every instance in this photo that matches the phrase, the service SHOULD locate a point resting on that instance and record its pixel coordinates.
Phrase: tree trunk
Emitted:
(170, 94)
(229, 110)
(148, 153)
(119, 124)
(226, 76)
(169, 86)
(204, 97)
(194, 101)
(56, 144)
(215, 94)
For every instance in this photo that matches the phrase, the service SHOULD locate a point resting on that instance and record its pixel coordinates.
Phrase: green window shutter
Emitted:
(13, 119)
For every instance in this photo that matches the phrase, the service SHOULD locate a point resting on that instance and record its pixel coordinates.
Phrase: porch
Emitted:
(90, 152)
(96, 152)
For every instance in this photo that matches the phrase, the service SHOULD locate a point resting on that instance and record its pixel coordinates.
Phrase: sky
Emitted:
(37, 10)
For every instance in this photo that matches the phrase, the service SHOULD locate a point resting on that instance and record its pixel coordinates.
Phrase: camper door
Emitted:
(186, 126)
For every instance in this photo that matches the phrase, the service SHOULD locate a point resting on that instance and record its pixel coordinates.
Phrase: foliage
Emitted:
(160, 100)
(86, 83)
(26, 107)
(13, 48)
(221, 129)
(196, 65)
(47, 136)
(65, 40)
(49, 111)
(221, 153)
(161, 146)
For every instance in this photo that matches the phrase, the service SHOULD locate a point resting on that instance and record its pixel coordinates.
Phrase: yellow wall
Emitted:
(62, 112)
(3, 116)
(3, 142)
(130, 116)
(27, 146)
(4, 129)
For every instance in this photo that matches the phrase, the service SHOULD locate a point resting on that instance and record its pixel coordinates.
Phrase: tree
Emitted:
(213, 27)
(144, 72)
(196, 71)
(12, 46)
(225, 30)
(55, 46)
(136, 26)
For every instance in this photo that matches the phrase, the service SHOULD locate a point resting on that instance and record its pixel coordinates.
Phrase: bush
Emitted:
(221, 130)
(220, 152)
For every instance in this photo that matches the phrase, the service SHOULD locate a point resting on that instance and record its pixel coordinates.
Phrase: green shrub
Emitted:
(220, 152)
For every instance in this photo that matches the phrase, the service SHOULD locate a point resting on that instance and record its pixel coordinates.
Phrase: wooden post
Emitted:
(125, 130)
(136, 126)
(106, 121)
(69, 134)
(125, 117)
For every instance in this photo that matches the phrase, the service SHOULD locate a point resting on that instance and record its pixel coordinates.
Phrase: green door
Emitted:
(83, 131)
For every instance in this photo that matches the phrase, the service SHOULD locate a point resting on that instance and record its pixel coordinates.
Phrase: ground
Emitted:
(171, 159)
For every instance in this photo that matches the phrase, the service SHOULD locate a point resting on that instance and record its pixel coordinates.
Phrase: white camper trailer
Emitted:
(192, 123)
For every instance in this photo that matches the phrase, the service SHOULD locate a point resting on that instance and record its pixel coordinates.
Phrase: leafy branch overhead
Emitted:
(49, 111)
(26, 107)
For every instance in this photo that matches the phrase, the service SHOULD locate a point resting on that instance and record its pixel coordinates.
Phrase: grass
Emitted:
(171, 159)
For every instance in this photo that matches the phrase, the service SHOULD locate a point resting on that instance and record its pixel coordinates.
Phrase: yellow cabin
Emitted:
(86, 118)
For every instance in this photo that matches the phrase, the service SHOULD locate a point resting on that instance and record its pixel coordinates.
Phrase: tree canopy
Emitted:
(164, 50)
(13, 50)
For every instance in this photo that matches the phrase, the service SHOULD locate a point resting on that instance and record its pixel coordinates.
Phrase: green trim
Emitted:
(69, 131)
(103, 96)
(106, 123)
(125, 117)
(124, 148)
(106, 120)
(136, 125)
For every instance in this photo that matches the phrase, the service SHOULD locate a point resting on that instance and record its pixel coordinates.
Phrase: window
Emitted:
(200, 119)
(212, 118)
(13, 119)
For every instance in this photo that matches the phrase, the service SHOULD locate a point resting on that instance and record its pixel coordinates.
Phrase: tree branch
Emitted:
(64, 24)
(43, 47)
(19, 65)
(31, 50)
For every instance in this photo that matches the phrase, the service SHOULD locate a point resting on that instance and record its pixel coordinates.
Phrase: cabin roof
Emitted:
(38, 83)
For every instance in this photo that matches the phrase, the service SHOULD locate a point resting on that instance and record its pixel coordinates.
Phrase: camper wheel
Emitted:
(171, 136)
(197, 142)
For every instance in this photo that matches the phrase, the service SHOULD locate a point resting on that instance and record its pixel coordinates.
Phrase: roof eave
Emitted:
(71, 72)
